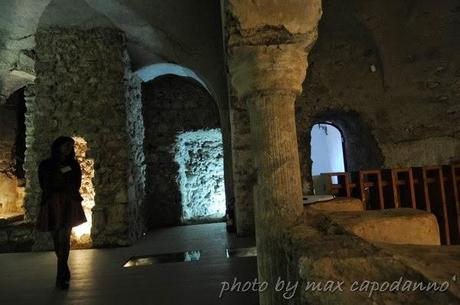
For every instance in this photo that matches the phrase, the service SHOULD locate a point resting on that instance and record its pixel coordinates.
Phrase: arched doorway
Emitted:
(356, 135)
(183, 150)
(327, 149)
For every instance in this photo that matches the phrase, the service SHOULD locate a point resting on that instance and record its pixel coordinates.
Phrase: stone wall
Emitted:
(81, 90)
(244, 174)
(390, 81)
(12, 137)
(136, 165)
(171, 104)
(200, 157)
(8, 125)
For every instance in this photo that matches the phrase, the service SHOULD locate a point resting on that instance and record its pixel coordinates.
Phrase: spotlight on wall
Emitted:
(81, 235)
(201, 175)
(11, 197)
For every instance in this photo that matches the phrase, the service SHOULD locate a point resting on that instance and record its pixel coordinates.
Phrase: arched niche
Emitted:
(327, 149)
(361, 148)
(182, 129)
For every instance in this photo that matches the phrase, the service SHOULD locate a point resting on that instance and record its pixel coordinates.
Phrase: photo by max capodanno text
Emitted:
(288, 289)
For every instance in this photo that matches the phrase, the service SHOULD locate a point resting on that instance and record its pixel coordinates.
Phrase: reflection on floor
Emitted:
(187, 256)
(242, 252)
(98, 278)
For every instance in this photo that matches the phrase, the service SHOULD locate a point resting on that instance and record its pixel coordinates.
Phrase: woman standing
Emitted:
(60, 210)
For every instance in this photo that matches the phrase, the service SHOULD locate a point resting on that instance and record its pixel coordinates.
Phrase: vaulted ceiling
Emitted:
(183, 32)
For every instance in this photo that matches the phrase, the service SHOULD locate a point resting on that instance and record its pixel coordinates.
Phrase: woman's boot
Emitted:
(61, 281)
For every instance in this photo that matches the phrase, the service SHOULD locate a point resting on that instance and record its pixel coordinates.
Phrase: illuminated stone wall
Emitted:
(136, 162)
(7, 137)
(200, 157)
(11, 154)
(171, 105)
(82, 233)
(84, 89)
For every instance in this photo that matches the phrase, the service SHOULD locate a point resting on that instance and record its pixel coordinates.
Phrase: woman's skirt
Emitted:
(60, 211)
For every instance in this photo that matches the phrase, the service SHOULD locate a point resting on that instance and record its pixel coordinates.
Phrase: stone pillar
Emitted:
(267, 45)
(243, 167)
(303, 140)
(84, 89)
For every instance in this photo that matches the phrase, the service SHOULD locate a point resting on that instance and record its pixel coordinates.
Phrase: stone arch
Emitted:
(361, 148)
(172, 103)
(151, 72)
(331, 146)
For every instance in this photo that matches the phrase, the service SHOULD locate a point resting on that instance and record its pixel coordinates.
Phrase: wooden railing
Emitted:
(435, 189)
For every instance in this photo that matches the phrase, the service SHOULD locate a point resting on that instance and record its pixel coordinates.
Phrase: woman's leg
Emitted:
(62, 249)
(55, 235)
(57, 250)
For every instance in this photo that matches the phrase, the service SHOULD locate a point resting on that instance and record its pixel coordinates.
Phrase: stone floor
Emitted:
(99, 278)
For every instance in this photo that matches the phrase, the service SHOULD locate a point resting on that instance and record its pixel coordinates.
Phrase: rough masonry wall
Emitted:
(136, 165)
(80, 90)
(12, 136)
(244, 174)
(8, 125)
(171, 104)
(390, 81)
(201, 175)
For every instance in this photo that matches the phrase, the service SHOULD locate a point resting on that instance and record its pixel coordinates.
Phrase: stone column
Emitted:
(84, 89)
(267, 45)
(243, 167)
(303, 140)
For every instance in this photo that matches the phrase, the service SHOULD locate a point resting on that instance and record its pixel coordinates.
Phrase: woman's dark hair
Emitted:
(55, 148)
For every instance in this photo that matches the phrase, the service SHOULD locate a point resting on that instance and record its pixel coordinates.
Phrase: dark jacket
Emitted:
(52, 179)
